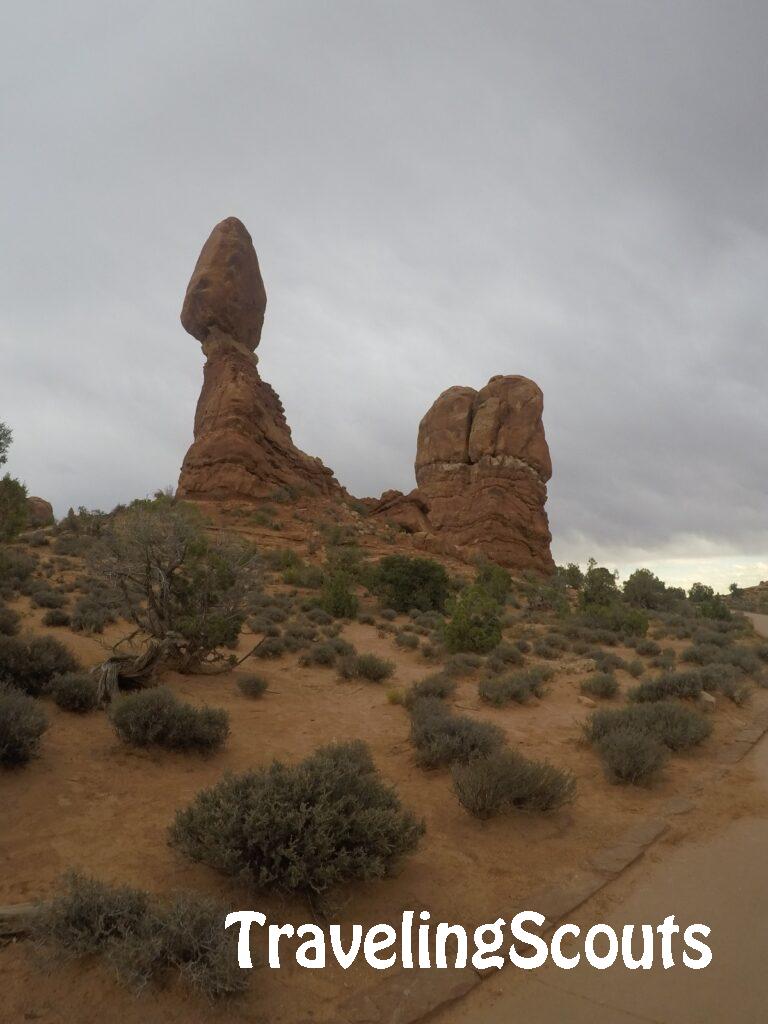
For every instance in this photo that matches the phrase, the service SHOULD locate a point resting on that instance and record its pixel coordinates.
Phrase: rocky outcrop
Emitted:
(243, 447)
(39, 512)
(482, 464)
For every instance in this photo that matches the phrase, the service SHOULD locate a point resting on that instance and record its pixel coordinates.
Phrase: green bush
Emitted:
(441, 738)
(505, 780)
(140, 938)
(252, 686)
(22, 723)
(494, 580)
(156, 717)
(516, 686)
(9, 621)
(338, 598)
(30, 663)
(75, 691)
(601, 684)
(617, 618)
(631, 757)
(645, 590)
(305, 829)
(13, 507)
(366, 666)
(474, 624)
(402, 583)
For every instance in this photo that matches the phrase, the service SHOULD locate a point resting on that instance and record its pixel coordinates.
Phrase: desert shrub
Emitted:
(91, 615)
(665, 660)
(56, 617)
(9, 621)
(402, 583)
(598, 586)
(338, 599)
(73, 545)
(301, 630)
(271, 647)
(319, 616)
(13, 507)
(366, 620)
(280, 559)
(177, 583)
(669, 684)
(157, 717)
(504, 780)
(647, 647)
(631, 757)
(22, 723)
(252, 686)
(674, 725)
(607, 661)
(495, 580)
(319, 654)
(601, 684)
(310, 577)
(45, 597)
(762, 652)
(441, 738)
(306, 828)
(37, 539)
(30, 663)
(617, 618)
(427, 620)
(462, 664)
(742, 658)
(515, 686)
(140, 938)
(15, 567)
(407, 640)
(645, 590)
(438, 685)
(474, 623)
(635, 668)
(544, 649)
(75, 691)
(508, 654)
(366, 666)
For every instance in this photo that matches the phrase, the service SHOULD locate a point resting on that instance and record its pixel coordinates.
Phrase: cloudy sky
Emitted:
(438, 192)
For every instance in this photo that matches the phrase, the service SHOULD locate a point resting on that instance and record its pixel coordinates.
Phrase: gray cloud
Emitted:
(438, 192)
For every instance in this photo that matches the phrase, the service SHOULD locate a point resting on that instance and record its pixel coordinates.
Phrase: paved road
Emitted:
(760, 622)
(720, 881)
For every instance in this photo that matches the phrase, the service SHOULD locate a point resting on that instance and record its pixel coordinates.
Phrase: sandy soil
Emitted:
(90, 802)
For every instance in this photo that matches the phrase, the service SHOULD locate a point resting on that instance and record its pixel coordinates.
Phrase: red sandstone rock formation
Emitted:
(243, 447)
(482, 464)
(39, 512)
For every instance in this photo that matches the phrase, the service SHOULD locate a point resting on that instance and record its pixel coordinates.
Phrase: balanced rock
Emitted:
(243, 447)
(482, 465)
(39, 512)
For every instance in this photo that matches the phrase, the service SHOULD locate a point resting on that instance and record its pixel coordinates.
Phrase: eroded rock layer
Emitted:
(482, 464)
(243, 447)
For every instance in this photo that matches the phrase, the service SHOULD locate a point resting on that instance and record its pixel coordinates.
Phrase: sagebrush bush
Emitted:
(630, 756)
(91, 613)
(56, 617)
(438, 685)
(441, 738)
(304, 828)
(673, 724)
(635, 668)
(157, 717)
(668, 684)
(22, 723)
(15, 567)
(252, 686)
(75, 691)
(319, 654)
(505, 779)
(30, 663)
(271, 647)
(463, 664)
(337, 598)
(9, 621)
(45, 597)
(601, 684)
(366, 666)
(409, 641)
(142, 938)
(514, 686)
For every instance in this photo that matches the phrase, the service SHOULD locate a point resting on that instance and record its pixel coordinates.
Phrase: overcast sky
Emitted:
(440, 191)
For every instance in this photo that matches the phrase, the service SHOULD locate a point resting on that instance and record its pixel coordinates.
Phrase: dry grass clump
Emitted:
(505, 780)
(141, 938)
(442, 738)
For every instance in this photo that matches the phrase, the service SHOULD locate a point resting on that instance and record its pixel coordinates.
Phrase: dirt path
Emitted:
(717, 878)
(760, 622)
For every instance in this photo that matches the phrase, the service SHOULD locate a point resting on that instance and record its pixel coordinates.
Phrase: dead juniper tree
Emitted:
(186, 592)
